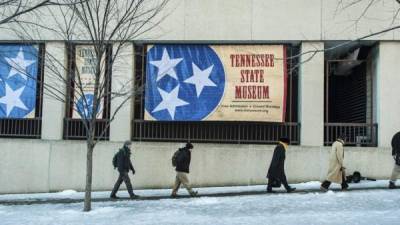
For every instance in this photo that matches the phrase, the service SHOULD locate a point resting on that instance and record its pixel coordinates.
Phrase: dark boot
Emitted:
(287, 187)
(113, 196)
(269, 189)
(133, 196)
(345, 186)
(174, 195)
(193, 193)
(392, 185)
(290, 189)
(325, 185)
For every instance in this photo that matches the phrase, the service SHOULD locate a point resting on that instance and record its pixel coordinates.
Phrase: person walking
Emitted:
(396, 157)
(336, 170)
(183, 157)
(276, 172)
(124, 164)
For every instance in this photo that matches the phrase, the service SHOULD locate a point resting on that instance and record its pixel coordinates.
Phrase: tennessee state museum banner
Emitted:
(18, 76)
(85, 61)
(216, 83)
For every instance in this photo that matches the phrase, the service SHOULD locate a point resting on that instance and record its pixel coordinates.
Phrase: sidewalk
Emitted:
(71, 196)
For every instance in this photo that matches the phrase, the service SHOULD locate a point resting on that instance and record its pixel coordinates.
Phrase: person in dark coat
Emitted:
(182, 170)
(124, 164)
(276, 172)
(396, 157)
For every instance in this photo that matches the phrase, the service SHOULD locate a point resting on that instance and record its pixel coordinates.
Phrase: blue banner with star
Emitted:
(18, 80)
(184, 82)
(215, 82)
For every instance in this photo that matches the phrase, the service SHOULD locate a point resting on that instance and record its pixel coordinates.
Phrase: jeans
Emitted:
(125, 178)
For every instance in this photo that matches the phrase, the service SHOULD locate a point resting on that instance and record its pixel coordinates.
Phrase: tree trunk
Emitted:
(89, 167)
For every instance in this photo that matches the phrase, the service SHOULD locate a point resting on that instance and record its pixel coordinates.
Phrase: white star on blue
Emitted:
(18, 75)
(85, 106)
(193, 88)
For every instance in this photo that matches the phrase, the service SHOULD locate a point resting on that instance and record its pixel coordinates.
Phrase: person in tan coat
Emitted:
(336, 171)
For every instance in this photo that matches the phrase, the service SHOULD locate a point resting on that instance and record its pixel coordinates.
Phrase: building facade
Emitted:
(336, 84)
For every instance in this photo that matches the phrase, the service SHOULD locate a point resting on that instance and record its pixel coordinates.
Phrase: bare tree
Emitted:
(12, 9)
(104, 28)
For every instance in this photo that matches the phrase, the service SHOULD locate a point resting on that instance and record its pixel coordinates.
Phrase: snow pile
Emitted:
(66, 193)
(72, 194)
(356, 207)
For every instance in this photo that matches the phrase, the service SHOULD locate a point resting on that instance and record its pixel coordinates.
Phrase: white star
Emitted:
(166, 65)
(12, 99)
(200, 78)
(170, 101)
(19, 64)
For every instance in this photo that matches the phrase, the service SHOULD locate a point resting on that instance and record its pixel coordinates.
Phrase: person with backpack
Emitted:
(336, 170)
(122, 161)
(276, 172)
(181, 160)
(396, 157)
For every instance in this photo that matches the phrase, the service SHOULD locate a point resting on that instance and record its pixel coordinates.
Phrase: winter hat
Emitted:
(342, 136)
(189, 145)
(284, 140)
(127, 143)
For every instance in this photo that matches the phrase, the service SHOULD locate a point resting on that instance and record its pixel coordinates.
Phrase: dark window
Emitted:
(349, 103)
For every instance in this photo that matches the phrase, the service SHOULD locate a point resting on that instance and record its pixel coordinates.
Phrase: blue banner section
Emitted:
(18, 74)
(183, 82)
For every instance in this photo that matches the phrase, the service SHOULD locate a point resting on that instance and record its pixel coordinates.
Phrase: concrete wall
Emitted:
(122, 82)
(388, 92)
(311, 94)
(42, 166)
(54, 91)
(262, 20)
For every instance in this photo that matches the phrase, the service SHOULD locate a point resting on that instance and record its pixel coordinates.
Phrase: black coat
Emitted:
(276, 170)
(396, 144)
(183, 160)
(124, 163)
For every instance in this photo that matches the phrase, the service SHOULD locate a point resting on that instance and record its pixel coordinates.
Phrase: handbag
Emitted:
(276, 183)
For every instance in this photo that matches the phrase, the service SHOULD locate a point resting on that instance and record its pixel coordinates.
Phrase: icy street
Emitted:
(380, 206)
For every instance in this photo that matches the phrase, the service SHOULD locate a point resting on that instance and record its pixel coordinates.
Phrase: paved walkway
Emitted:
(67, 200)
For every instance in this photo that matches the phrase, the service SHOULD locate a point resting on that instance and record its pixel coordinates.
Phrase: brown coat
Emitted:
(336, 163)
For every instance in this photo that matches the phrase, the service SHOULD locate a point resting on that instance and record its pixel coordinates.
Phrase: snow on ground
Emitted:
(72, 194)
(356, 207)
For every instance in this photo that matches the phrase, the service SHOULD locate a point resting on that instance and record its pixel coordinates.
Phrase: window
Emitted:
(349, 73)
(80, 71)
(216, 130)
(21, 90)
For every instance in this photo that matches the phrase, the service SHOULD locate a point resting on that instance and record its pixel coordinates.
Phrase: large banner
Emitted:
(216, 82)
(85, 61)
(18, 80)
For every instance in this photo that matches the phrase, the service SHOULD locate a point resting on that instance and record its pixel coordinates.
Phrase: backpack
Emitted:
(115, 160)
(174, 158)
